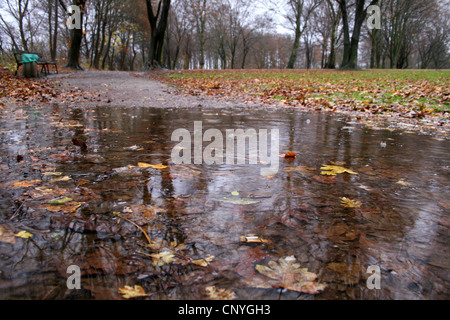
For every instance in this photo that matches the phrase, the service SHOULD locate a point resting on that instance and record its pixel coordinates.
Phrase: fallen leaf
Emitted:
(219, 294)
(287, 274)
(26, 184)
(203, 262)
(23, 234)
(53, 173)
(154, 166)
(349, 203)
(290, 156)
(6, 235)
(68, 207)
(252, 238)
(160, 259)
(330, 170)
(128, 292)
(61, 201)
(403, 183)
(62, 179)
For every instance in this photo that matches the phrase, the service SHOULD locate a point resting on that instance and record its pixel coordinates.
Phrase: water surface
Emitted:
(199, 211)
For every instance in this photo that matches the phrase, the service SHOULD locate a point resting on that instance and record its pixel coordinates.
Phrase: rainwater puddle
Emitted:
(210, 225)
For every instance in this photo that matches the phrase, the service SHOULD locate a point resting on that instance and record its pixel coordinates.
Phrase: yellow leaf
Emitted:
(349, 203)
(252, 238)
(220, 294)
(69, 207)
(334, 170)
(154, 166)
(162, 258)
(26, 184)
(53, 173)
(132, 292)
(403, 183)
(23, 234)
(65, 178)
(203, 262)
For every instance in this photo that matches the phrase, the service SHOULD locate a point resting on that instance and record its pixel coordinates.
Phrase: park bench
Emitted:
(41, 62)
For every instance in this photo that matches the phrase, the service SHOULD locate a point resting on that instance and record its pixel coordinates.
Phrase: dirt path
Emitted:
(129, 89)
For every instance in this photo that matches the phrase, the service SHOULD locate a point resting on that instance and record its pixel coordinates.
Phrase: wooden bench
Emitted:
(45, 64)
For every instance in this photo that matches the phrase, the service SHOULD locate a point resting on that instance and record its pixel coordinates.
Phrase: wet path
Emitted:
(390, 209)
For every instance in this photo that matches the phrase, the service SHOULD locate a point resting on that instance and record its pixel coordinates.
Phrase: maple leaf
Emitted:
(220, 294)
(160, 259)
(330, 170)
(287, 274)
(128, 292)
(349, 203)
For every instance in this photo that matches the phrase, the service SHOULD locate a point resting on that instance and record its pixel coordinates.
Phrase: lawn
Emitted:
(408, 93)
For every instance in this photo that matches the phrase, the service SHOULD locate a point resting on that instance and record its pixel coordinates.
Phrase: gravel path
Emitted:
(131, 89)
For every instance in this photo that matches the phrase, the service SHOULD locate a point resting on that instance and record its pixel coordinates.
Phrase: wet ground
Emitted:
(210, 225)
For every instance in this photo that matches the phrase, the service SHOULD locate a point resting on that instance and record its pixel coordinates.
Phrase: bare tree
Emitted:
(351, 45)
(298, 15)
(157, 17)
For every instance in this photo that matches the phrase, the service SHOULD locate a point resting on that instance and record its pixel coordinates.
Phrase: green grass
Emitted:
(413, 89)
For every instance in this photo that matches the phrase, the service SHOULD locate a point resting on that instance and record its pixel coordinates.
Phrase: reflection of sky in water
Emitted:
(402, 228)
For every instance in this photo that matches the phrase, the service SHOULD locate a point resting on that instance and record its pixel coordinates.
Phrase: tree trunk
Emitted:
(158, 25)
(76, 36)
(293, 57)
(53, 50)
(350, 59)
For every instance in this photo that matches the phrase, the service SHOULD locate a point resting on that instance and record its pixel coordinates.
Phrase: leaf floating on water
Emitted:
(403, 183)
(203, 262)
(6, 235)
(235, 193)
(154, 166)
(287, 274)
(128, 292)
(61, 201)
(220, 294)
(68, 207)
(252, 238)
(23, 234)
(160, 259)
(26, 184)
(51, 173)
(62, 179)
(330, 170)
(290, 156)
(349, 203)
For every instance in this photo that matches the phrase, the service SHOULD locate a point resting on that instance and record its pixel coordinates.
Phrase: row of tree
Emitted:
(231, 34)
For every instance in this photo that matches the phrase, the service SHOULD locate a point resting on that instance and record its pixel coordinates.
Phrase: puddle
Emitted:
(393, 212)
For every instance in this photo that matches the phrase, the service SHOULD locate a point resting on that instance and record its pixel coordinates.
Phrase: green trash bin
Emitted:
(29, 67)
